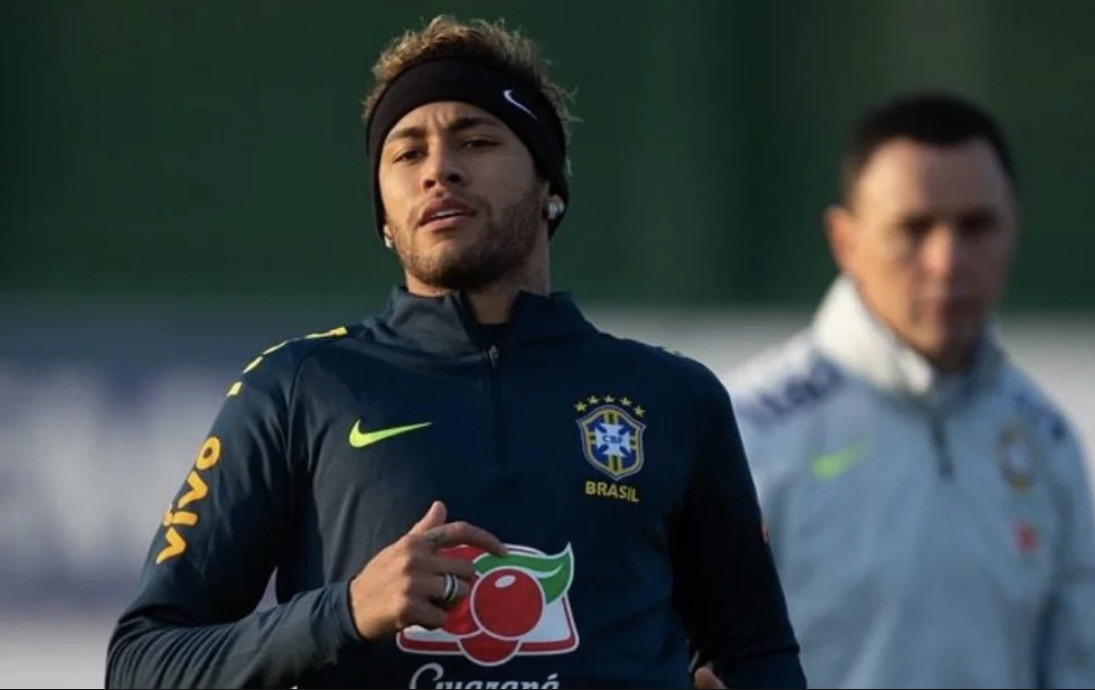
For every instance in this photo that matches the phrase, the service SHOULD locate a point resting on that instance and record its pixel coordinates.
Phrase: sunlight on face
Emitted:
(461, 196)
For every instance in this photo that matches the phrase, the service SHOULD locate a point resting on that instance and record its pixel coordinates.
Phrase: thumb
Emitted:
(434, 516)
(705, 679)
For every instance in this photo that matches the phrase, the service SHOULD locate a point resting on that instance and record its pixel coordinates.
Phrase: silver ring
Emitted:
(452, 589)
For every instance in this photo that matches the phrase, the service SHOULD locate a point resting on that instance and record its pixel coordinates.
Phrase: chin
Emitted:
(453, 271)
(437, 246)
(952, 348)
(443, 250)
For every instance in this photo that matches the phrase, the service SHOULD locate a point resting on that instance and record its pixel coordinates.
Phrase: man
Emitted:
(475, 487)
(927, 506)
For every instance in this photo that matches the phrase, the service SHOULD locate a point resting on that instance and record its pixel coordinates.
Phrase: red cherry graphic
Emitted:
(507, 603)
(459, 621)
(488, 649)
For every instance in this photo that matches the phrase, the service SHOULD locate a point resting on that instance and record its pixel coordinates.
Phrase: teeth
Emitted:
(447, 214)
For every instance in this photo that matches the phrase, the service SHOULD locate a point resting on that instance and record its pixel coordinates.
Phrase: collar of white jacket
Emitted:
(846, 330)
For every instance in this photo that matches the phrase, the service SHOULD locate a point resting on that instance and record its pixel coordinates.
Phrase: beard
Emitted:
(500, 250)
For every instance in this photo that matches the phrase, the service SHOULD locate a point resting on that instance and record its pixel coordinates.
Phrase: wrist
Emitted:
(352, 614)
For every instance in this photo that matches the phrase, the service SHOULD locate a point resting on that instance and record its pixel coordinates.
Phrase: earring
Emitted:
(388, 242)
(554, 208)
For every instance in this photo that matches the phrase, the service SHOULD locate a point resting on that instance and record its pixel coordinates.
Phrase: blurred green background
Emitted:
(206, 149)
(183, 183)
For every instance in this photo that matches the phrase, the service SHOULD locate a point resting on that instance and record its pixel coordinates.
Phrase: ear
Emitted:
(841, 232)
(387, 237)
(546, 194)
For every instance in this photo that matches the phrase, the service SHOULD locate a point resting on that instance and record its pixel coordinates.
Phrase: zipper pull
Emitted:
(492, 356)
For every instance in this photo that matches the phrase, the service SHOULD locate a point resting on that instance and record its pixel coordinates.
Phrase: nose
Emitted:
(943, 253)
(443, 167)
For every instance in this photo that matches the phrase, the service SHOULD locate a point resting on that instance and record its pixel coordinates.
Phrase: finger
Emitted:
(705, 679)
(427, 614)
(453, 533)
(434, 516)
(460, 567)
(436, 593)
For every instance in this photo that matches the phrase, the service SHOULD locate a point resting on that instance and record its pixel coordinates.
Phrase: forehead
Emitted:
(442, 116)
(905, 173)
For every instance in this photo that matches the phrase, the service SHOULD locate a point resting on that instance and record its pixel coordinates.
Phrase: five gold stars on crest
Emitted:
(583, 405)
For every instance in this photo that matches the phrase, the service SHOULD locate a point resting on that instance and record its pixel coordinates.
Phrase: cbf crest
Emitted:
(1018, 457)
(611, 434)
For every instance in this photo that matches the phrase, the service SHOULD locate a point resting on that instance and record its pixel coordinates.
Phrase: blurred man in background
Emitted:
(927, 505)
(475, 486)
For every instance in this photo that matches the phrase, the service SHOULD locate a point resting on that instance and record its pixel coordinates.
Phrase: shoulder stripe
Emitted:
(791, 394)
(336, 332)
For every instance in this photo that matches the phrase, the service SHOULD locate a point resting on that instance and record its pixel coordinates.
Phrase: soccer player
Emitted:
(928, 506)
(475, 487)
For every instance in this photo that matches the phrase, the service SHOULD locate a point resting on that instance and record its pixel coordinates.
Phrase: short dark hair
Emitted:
(490, 42)
(936, 118)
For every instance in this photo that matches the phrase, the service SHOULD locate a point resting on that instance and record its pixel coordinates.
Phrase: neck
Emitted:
(491, 304)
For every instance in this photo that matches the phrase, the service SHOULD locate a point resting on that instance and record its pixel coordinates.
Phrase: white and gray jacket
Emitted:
(929, 532)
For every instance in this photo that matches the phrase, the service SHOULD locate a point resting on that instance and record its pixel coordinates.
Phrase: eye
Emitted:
(479, 142)
(978, 223)
(915, 227)
(407, 155)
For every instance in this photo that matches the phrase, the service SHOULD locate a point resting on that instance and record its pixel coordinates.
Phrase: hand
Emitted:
(404, 584)
(705, 679)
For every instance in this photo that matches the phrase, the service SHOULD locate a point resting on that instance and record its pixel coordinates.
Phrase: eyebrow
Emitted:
(979, 212)
(458, 125)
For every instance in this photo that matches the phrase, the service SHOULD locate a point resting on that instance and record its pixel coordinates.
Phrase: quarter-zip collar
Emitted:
(445, 325)
(846, 330)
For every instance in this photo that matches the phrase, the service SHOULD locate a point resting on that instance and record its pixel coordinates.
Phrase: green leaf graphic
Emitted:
(553, 572)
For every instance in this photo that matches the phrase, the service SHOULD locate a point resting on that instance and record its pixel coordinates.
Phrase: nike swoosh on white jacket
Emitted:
(930, 532)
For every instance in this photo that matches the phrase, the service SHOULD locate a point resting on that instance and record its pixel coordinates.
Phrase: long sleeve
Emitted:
(193, 622)
(727, 586)
(1068, 642)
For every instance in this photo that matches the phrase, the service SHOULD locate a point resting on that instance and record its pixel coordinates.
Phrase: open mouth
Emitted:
(443, 214)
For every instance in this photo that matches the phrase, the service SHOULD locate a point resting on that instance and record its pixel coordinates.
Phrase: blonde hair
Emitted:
(491, 42)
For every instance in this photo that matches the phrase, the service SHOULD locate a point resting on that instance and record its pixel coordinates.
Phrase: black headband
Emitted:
(512, 100)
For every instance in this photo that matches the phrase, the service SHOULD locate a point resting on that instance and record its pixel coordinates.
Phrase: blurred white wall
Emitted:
(92, 448)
